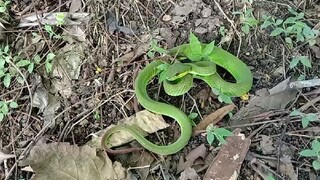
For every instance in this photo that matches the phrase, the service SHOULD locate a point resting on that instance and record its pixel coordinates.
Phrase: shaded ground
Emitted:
(93, 88)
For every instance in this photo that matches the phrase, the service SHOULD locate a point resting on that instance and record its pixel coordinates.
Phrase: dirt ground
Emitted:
(101, 47)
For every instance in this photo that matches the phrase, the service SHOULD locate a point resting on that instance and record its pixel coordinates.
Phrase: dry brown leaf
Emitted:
(214, 117)
(64, 161)
(145, 120)
(227, 163)
(266, 145)
(200, 151)
(276, 98)
(189, 174)
(75, 6)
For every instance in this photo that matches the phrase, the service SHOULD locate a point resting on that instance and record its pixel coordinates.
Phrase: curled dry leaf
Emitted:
(145, 120)
(64, 161)
(214, 117)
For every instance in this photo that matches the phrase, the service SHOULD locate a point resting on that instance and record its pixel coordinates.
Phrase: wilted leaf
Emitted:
(63, 161)
(266, 145)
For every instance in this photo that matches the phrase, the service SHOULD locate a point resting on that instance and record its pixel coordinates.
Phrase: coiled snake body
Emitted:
(220, 57)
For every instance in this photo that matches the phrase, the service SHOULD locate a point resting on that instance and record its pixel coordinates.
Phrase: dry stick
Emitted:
(232, 25)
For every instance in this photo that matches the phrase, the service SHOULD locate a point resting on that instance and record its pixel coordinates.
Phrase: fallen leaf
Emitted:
(213, 118)
(189, 174)
(266, 145)
(75, 5)
(66, 67)
(227, 163)
(4, 156)
(200, 151)
(145, 120)
(65, 161)
(276, 98)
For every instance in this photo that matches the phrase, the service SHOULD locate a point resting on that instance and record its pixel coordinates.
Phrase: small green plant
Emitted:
(7, 70)
(3, 7)
(247, 20)
(4, 108)
(96, 116)
(60, 18)
(217, 133)
(305, 118)
(222, 97)
(52, 34)
(313, 152)
(48, 61)
(293, 28)
(304, 60)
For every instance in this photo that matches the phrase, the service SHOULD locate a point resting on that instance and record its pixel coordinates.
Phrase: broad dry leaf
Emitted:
(145, 120)
(66, 67)
(276, 98)
(70, 162)
(266, 145)
(214, 117)
(199, 152)
(189, 174)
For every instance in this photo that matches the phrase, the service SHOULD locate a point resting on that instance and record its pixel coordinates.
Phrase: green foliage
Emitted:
(293, 28)
(305, 118)
(4, 108)
(222, 97)
(3, 7)
(217, 133)
(49, 59)
(192, 117)
(60, 18)
(247, 20)
(96, 115)
(52, 34)
(304, 60)
(313, 153)
(196, 49)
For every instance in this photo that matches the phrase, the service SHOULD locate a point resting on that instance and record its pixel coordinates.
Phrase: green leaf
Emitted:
(288, 40)
(315, 146)
(222, 132)
(311, 117)
(20, 80)
(210, 137)
(312, 42)
(50, 56)
(4, 109)
(316, 164)
(195, 44)
(1, 117)
(193, 115)
(2, 9)
(276, 31)
(13, 104)
(252, 21)
(163, 67)
(304, 122)
(265, 24)
(37, 59)
(290, 20)
(23, 63)
(294, 62)
(245, 28)
(162, 76)
(300, 37)
(208, 49)
(7, 80)
(6, 49)
(221, 139)
(194, 57)
(308, 153)
(150, 54)
(292, 11)
(30, 67)
(305, 61)
(48, 67)
(300, 15)
(279, 21)
(295, 113)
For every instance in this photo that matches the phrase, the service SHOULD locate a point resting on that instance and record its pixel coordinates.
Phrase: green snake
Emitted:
(179, 80)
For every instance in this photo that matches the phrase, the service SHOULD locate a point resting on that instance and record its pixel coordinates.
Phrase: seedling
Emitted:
(217, 133)
(305, 118)
(314, 152)
(247, 20)
(52, 34)
(304, 60)
(293, 28)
